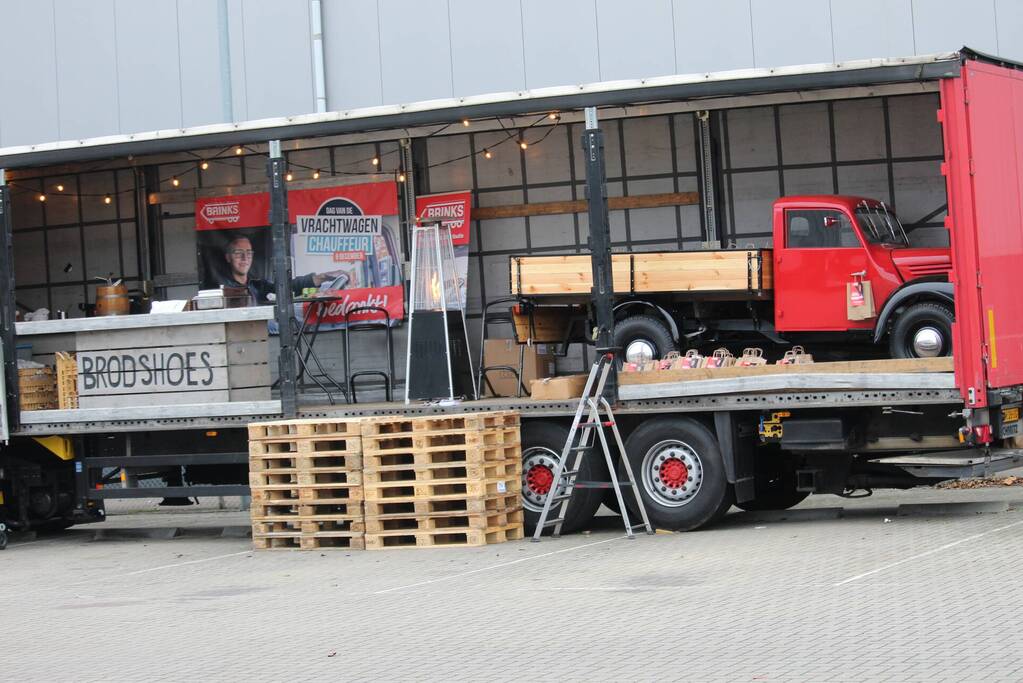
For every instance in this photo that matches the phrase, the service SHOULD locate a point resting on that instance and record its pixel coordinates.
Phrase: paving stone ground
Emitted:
(813, 595)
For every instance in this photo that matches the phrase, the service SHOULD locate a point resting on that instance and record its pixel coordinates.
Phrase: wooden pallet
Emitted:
(304, 510)
(289, 429)
(439, 455)
(309, 534)
(321, 478)
(282, 463)
(452, 520)
(436, 538)
(436, 506)
(443, 489)
(460, 422)
(333, 444)
(401, 474)
(441, 440)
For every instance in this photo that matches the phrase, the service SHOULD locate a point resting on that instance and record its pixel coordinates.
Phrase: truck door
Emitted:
(983, 135)
(820, 253)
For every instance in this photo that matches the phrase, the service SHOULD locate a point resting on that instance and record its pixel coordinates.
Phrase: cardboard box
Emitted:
(558, 388)
(537, 362)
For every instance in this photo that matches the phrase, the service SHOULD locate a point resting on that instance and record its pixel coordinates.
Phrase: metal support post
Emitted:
(280, 227)
(8, 307)
(600, 247)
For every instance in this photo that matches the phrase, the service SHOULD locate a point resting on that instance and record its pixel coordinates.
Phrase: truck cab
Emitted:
(845, 264)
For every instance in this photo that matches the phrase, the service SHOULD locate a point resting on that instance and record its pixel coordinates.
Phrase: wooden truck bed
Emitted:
(742, 273)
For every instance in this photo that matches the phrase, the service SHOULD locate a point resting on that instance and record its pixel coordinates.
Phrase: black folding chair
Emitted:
(365, 325)
(493, 318)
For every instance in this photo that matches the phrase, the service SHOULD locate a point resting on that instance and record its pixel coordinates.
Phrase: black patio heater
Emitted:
(437, 362)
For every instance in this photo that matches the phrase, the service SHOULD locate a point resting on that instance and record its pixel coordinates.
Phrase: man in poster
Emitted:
(239, 254)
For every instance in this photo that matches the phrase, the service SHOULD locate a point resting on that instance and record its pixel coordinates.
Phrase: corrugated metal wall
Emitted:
(82, 68)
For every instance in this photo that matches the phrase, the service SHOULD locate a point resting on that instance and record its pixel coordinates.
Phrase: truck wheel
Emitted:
(642, 338)
(680, 472)
(542, 443)
(774, 486)
(923, 330)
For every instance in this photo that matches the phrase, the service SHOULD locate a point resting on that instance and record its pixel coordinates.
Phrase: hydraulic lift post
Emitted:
(280, 226)
(600, 248)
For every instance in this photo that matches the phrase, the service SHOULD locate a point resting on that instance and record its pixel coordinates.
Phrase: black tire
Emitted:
(925, 314)
(644, 328)
(542, 443)
(774, 485)
(702, 495)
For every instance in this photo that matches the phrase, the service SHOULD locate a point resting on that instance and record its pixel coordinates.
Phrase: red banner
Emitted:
(390, 299)
(238, 211)
(452, 208)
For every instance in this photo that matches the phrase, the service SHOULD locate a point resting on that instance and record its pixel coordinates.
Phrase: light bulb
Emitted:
(42, 197)
(465, 122)
(238, 151)
(376, 161)
(487, 154)
(554, 116)
(316, 174)
(60, 188)
(523, 144)
(107, 199)
(204, 165)
(401, 177)
(289, 177)
(175, 182)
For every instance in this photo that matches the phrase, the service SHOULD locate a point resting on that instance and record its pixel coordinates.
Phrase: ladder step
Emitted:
(591, 425)
(570, 473)
(563, 496)
(599, 484)
(638, 526)
(552, 522)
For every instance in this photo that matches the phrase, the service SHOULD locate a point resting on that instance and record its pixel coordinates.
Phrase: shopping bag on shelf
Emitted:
(797, 355)
(690, 361)
(751, 357)
(721, 358)
(859, 300)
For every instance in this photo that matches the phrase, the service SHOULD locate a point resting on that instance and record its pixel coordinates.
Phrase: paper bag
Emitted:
(859, 300)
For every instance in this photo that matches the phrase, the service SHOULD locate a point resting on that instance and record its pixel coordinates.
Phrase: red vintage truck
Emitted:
(796, 293)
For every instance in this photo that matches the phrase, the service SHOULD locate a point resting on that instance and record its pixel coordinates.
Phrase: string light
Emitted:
(238, 151)
(401, 177)
(175, 182)
(42, 197)
(487, 154)
(316, 174)
(204, 165)
(465, 122)
(107, 199)
(289, 177)
(523, 144)
(554, 116)
(60, 188)
(376, 161)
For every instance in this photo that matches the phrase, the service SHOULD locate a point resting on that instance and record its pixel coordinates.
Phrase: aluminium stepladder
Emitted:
(591, 403)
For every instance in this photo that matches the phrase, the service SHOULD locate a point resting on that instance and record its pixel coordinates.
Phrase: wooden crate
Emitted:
(67, 380)
(743, 272)
(37, 388)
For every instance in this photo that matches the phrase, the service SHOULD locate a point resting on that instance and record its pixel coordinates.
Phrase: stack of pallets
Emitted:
(442, 480)
(306, 481)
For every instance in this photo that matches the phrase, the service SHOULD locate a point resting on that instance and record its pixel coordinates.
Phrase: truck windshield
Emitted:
(880, 225)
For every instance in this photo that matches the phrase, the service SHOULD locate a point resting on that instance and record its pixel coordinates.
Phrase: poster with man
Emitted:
(345, 243)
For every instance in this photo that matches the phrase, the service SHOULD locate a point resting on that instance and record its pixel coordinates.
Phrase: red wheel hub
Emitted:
(539, 478)
(674, 473)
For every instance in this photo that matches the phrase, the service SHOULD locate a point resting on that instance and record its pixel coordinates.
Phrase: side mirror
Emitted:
(830, 221)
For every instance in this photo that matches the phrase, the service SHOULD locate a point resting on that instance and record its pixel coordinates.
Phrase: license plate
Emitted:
(1010, 414)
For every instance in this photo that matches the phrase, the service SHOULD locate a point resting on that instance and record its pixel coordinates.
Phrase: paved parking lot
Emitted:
(817, 594)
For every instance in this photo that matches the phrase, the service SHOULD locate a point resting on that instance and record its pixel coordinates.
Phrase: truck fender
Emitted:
(639, 303)
(934, 290)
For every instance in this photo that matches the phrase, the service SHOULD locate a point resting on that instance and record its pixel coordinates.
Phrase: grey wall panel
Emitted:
(647, 143)
(914, 126)
(28, 108)
(455, 175)
(859, 130)
(548, 161)
(148, 78)
(791, 32)
(552, 231)
(1009, 27)
(805, 134)
(486, 47)
(560, 42)
(751, 140)
(351, 54)
(202, 74)
(712, 37)
(624, 26)
(278, 58)
(415, 50)
(872, 28)
(946, 25)
(86, 68)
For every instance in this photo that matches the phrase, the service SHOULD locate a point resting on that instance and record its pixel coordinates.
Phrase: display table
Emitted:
(216, 358)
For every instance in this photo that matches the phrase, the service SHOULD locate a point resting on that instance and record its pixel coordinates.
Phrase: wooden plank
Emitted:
(252, 330)
(201, 367)
(155, 337)
(247, 352)
(791, 382)
(902, 365)
(159, 399)
(718, 271)
(250, 394)
(198, 410)
(252, 375)
(149, 320)
(647, 201)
